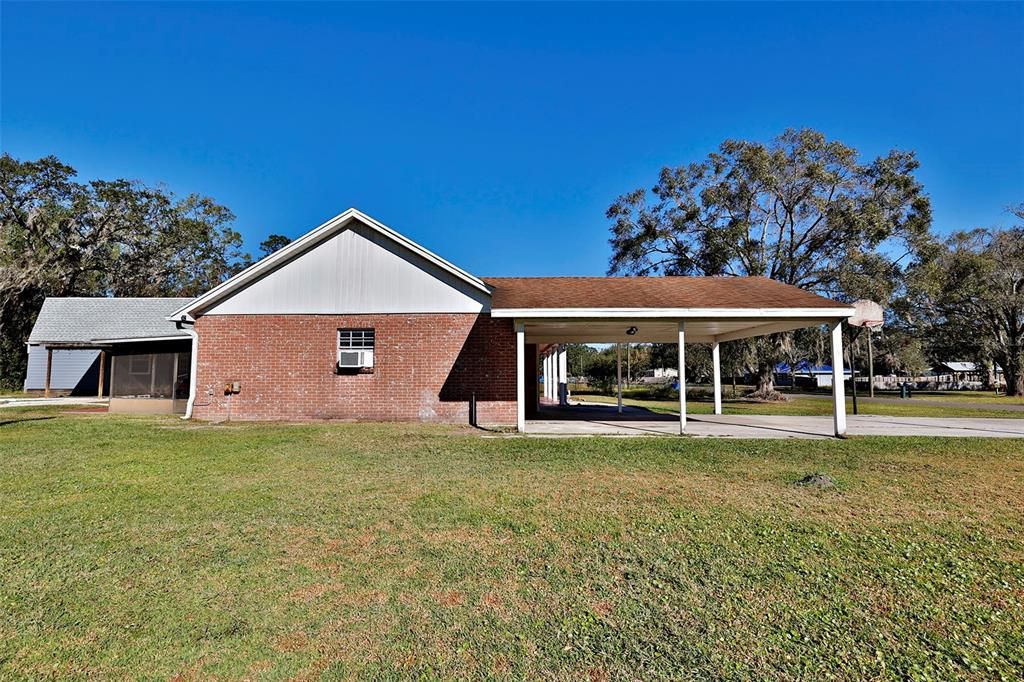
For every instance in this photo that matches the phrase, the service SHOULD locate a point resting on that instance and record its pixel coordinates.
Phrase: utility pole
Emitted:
(618, 374)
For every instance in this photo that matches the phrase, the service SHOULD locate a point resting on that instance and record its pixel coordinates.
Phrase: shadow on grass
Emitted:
(8, 422)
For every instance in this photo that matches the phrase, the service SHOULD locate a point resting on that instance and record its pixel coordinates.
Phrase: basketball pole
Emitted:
(867, 315)
(853, 367)
(871, 367)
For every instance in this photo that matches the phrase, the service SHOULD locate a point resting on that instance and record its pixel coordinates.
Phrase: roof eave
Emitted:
(753, 312)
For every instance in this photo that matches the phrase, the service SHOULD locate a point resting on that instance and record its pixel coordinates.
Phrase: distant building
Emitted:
(965, 375)
(659, 375)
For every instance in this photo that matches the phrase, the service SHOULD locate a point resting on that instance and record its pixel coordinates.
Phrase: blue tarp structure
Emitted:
(805, 367)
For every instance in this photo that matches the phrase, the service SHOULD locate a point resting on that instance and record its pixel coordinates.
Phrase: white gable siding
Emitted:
(356, 271)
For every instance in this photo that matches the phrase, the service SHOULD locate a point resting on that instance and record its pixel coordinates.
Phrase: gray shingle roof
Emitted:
(83, 320)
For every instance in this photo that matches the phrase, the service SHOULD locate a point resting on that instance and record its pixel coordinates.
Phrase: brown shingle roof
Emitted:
(650, 292)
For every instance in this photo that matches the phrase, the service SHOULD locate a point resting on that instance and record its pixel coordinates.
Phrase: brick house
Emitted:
(354, 321)
(351, 321)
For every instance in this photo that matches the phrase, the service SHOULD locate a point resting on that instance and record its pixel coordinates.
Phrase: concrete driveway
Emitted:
(601, 420)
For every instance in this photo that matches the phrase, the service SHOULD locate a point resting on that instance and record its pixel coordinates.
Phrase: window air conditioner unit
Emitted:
(355, 359)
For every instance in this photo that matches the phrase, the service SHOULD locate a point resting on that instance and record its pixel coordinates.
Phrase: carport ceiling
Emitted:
(656, 330)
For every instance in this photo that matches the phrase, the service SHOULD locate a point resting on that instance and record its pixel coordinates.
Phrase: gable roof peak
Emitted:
(307, 242)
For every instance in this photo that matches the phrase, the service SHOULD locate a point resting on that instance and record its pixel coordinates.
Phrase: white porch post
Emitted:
(547, 376)
(838, 392)
(552, 376)
(682, 377)
(521, 376)
(538, 367)
(563, 370)
(618, 373)
(716, 362)
(544, 374)
(557, 360)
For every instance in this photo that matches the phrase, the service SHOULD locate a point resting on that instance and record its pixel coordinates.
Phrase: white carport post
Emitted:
(618, 374)
(552, 375)
(556, 356)
(682, 377)
(838, 392)
(716, 364)
(563, 372)
(521, 377)
(544, 374)
(549, 377)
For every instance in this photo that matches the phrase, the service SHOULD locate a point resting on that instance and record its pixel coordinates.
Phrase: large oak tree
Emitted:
(801, 209)
(60, 237)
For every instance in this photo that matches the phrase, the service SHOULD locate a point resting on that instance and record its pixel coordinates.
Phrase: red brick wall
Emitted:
(426, 366)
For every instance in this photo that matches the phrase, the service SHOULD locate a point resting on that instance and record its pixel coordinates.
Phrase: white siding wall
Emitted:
(356, 271)
(69, 368)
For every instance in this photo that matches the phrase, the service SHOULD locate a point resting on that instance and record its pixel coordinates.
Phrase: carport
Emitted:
(548, 312)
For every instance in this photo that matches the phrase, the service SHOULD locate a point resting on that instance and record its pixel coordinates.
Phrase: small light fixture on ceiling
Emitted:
(632, 331)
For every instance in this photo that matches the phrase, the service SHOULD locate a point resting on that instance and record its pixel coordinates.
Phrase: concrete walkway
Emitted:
(600, 420)
(38, 402)
(924, 402)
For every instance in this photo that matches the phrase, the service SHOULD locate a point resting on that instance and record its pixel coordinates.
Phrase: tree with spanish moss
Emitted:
(972, 296)
(61, 237)
(801, 209)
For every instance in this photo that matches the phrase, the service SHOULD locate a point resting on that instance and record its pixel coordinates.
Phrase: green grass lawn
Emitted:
(804, 405)
(153, 548)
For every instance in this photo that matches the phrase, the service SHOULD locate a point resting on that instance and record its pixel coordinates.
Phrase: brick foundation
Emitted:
(426, 367)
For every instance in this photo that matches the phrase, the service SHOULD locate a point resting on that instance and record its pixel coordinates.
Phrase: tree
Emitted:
(973, 292)
(801, 209)
(59, 237)
(272, 243)
(602, 369)
(901, 353)
(578, 357)
(664, 355)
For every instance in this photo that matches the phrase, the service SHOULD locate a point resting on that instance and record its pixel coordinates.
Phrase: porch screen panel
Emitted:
(163, 375)
(133, 375)
(181, 381)
(143, 375)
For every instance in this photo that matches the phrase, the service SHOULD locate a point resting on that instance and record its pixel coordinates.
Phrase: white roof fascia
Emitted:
(309, 241)
(139, 339)
(706, 313)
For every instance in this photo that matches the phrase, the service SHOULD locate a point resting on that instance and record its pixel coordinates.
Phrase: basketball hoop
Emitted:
(866, 314)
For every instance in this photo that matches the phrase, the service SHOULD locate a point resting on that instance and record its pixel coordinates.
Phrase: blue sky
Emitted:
(497, 135)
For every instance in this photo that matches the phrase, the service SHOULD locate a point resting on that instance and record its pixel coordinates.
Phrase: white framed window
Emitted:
(355, 349)
(140, 364)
